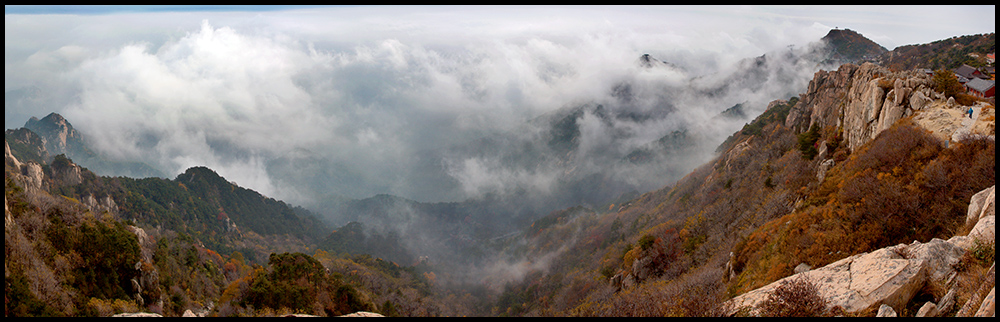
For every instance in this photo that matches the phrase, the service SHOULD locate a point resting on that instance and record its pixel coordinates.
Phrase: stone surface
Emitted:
(885, 276)
(984, 231)
(823, 168)
(988, 308)
(856, 283)
(981, 205)
(866, 99)
(918, 101)
(137, 315)
(363, 314)
(947, 301)
(889, 276)
(885, 311)
(929, 309)
(941, 257)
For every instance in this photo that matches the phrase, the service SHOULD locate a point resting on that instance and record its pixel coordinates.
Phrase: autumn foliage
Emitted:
(901, 187)
(797, 297)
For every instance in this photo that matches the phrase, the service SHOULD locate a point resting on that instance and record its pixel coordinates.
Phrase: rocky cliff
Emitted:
(862, 101)
(60, 136)
(889, 278)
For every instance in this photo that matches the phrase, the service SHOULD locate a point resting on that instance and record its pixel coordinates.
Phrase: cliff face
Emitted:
(862, 100)
(60, 136)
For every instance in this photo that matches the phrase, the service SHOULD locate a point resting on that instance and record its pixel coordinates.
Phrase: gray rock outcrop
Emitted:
(363, 314)
(890, 277)
(864, 100)
(988, 308)
(137, 315)
(885, 311)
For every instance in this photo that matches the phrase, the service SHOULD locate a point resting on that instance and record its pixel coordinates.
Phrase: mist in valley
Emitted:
(453, 127)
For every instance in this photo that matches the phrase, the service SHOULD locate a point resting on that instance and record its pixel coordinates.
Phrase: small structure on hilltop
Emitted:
(981, 87)
(969, 72)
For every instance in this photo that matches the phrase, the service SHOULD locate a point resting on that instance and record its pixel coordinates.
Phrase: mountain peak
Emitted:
(850, 46)
(60, 136)
(647, 61)
(51, 120)
(201, 173)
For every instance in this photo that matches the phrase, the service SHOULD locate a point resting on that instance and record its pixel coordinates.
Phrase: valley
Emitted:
(582, 211)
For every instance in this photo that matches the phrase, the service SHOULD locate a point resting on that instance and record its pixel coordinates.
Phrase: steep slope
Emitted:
(246, 207)
(885, 176)
(843, 173)
(199, 202)
(840, 170)
(82, 245)
(937, 271)
(27, 145)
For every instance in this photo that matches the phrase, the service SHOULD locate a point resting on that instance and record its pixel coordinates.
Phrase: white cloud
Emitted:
(370, 90)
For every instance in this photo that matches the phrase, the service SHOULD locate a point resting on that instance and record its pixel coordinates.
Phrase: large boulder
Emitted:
(984, 231)
(981, 205)
(855, 283)
(918, 101)
(886, 311)
(940, 259)
(891, 112)
(982, 217)
(891, 276)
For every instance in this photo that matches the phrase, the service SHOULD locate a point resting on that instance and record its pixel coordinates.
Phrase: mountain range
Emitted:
(858, 150)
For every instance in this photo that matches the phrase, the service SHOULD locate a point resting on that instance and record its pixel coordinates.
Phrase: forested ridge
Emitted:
(197, 243)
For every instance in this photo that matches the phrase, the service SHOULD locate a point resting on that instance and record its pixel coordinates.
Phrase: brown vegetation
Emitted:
(797, 297)
(904, 186)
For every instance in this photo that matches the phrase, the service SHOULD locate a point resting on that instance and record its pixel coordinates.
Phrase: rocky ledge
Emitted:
(889, 278)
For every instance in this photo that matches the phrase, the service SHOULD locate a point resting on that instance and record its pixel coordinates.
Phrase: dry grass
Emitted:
(797, 297)
(972, 282)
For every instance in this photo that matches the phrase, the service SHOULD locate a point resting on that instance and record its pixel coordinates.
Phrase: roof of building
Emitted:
(967, 71)
(980, 85)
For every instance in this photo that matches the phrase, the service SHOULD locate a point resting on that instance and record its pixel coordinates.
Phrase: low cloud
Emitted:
(304, 104)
